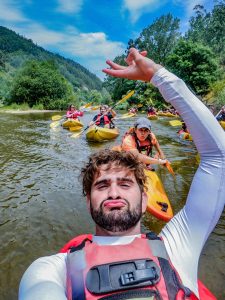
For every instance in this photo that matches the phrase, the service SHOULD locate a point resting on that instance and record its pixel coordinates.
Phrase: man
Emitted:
(140, 141)
(115, 196)
(104, 118)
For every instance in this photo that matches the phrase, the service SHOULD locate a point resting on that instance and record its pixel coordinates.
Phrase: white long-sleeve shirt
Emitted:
(185, 235)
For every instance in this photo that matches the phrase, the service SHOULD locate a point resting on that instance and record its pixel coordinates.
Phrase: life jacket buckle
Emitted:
(138, 276)
(123, 275)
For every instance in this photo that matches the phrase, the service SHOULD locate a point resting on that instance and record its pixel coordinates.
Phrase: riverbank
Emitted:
(29, 111)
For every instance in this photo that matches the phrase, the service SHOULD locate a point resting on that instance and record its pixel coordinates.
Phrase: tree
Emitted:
(159, 38)
(209, 28)
(41, 83)
(195, 64)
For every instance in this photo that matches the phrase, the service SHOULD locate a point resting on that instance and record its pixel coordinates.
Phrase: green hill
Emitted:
(15, 50)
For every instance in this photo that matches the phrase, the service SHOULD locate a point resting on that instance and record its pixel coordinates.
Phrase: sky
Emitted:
(90, 31)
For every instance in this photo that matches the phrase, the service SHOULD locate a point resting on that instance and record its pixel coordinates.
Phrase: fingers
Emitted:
(144, 53)
(114, 65)
(116, 73)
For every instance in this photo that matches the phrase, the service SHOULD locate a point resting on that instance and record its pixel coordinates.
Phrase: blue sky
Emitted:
(90, 31)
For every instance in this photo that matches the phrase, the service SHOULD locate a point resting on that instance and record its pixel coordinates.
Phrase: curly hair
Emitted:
(111, 158)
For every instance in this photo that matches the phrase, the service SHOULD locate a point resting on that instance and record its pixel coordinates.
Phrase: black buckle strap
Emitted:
(135, 273)
(139, 276)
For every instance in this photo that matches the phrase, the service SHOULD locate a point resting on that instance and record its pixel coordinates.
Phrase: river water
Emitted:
(41, 202)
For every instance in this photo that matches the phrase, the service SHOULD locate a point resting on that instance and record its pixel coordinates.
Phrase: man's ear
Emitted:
(144, 201)
(88, 201)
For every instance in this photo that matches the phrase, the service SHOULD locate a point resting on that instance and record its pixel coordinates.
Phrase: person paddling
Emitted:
(140, 141)
(104, 118)
(73, 113)
(118, 262)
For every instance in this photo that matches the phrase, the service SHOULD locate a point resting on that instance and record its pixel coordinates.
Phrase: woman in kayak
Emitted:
(145, 266)
(104, 118)
(73, 113)
(140, 141)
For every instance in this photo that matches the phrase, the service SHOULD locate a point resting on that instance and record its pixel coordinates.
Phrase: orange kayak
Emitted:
(158, 203)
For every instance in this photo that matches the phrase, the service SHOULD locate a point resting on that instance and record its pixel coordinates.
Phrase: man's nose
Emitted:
(113, 191)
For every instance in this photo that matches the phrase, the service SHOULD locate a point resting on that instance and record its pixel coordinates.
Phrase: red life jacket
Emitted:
(141, 269)
(102, 120)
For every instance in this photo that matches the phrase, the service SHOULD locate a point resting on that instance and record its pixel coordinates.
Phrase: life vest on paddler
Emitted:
(140, 270)
(102, 120)
(144, 147)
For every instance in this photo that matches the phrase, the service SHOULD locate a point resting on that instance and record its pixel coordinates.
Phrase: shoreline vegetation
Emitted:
(26, 111)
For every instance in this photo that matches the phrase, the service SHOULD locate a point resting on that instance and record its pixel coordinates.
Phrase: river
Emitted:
(41, 202)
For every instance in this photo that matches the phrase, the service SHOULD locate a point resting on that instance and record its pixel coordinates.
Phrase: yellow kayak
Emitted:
(152, 117)
(222, 123)
(72, 123)
(158, 203)
(125, 116)
(101, 134)
(166, 114)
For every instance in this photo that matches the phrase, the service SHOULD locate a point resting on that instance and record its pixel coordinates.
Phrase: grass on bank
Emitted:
(21, 107)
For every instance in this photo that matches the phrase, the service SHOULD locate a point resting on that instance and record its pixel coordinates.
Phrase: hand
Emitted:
(163, 161)
(139, 67)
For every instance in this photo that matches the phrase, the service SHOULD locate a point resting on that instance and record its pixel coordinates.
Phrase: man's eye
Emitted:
(125, 184)
(102, 186)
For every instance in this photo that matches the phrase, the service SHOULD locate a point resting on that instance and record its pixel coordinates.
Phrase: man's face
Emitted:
(102, 110)
(116, 202)
(142, 133)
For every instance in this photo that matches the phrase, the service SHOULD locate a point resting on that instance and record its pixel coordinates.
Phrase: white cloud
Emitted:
(10, 12)
(69, 6)
(39, 34)
(89, 49)
(137, 8)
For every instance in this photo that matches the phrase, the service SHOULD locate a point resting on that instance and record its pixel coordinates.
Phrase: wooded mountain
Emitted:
(15, 50)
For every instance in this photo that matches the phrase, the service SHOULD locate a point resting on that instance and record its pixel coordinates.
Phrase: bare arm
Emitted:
(160, 153)
(147, 159)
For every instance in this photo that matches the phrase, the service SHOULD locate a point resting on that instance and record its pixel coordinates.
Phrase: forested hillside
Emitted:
(19, 57)
(197, 56)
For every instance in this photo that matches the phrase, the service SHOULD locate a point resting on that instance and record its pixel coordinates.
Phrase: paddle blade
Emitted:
(175, 123)
(76, 135)
(169, 168)
(56, 118)
(55, 124)
(125, 98)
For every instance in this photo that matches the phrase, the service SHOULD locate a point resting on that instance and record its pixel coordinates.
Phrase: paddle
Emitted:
(169, 168)
(57, 120)
(175, 123)
(76, 135)
(57, 117)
